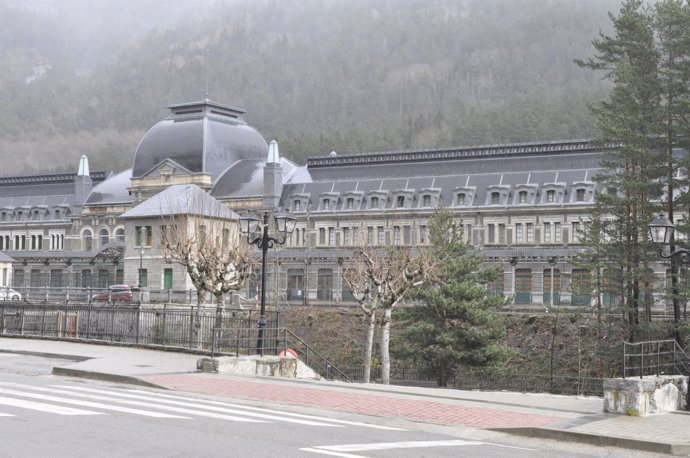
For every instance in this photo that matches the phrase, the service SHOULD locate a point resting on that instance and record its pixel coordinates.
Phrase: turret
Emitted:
(82, 182)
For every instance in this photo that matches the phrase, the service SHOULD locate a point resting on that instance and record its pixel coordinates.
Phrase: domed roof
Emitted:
(202, 137)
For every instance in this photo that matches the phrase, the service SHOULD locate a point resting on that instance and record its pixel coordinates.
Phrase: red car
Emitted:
(116, 293)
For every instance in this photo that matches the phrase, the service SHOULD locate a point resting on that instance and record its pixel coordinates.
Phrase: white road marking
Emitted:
(128, 402)
(327, 452)
(214, 406)
(393, 445)
(42, 407)
(341, 450)
(277, 412)
(96, 405)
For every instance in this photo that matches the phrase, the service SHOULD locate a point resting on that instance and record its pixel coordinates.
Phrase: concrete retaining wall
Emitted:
(646, 395)
(269, 366)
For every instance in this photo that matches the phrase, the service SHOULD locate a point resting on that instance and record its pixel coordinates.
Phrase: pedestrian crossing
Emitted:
(91, 400)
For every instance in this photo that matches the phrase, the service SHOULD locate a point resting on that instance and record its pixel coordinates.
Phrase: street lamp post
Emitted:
(285, 225)
(141, 266)
(661, 232)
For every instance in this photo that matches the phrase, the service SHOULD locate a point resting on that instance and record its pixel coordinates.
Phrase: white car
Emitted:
(9, 293)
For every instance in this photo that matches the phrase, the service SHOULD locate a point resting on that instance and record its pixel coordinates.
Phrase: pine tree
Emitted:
(631, 115)
(672, 23)
(455, 319)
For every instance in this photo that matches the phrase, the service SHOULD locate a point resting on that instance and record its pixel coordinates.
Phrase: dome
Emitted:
(202, 137)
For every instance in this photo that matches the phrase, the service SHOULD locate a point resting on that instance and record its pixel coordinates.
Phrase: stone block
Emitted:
(265, 366)
(646, 395)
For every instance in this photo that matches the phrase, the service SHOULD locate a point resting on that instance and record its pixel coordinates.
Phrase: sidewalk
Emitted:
(563, 418)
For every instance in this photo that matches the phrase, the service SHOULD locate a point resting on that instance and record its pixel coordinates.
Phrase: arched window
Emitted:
(87, 240)
(550, 196)
(522, 197)
(495, 198)
(120, 235)
(580, 195)
(374, 202)
(103, 237)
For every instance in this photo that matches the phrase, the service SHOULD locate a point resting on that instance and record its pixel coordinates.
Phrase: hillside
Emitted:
(318, 75)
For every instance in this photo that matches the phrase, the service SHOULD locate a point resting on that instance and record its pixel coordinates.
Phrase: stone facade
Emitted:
(524, 205)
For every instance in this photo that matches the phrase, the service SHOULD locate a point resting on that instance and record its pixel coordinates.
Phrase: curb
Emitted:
(104, 377)
(602, 441)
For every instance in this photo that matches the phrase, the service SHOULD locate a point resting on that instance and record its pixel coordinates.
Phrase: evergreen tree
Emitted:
(455, 321)
(672, 23)
(631, 115)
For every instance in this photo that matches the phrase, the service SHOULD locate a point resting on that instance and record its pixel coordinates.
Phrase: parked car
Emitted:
(9, 293)
(116, 293)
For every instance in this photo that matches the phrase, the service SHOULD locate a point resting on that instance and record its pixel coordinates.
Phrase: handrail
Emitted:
(277, 341)
(329, 366)
(653, 357)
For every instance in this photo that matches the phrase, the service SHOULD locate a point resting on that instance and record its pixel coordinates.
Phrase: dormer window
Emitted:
(400, 201)
(580, 195)
(461, 197)
(426, 200)
(495, 198)
(374, 202)
(326, 204)
(550, 196)
(297, 206)
(522, 197)
(350, 203)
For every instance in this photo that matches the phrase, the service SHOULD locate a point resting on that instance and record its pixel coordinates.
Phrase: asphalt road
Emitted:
(50, 416)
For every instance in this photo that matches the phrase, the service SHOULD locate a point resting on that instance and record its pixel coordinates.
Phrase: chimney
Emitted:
(273, 177)
(82, 182)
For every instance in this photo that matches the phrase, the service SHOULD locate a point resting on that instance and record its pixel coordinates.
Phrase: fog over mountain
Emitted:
(90, 77)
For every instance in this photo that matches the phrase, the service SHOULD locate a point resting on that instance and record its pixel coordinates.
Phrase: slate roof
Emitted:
(42, 190)
(245, 178)
(187, 199)
(200, 136)
(111, 191)
(479, 167)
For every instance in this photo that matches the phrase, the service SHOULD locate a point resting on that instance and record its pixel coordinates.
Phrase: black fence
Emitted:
(167, 326)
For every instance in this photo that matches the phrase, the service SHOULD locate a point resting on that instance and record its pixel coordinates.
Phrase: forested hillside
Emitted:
(84, 77)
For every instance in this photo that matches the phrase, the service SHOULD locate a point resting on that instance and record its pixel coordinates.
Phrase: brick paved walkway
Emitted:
(358, 402)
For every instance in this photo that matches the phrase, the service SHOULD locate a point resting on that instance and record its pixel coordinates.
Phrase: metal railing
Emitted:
(190, 328)
(278, 341)
(655, 357)
(167, 326)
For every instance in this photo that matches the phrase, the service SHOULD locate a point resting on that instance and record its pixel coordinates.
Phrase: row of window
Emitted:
(103, 238)
(58, 278)
(32, 242)
(460, 199)
(33, 214)
(580, 286)
(552, 232)
(496, 233)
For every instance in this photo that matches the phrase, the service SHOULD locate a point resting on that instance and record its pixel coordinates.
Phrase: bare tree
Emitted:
(202, 235)
(358, 279)
(379, 277)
